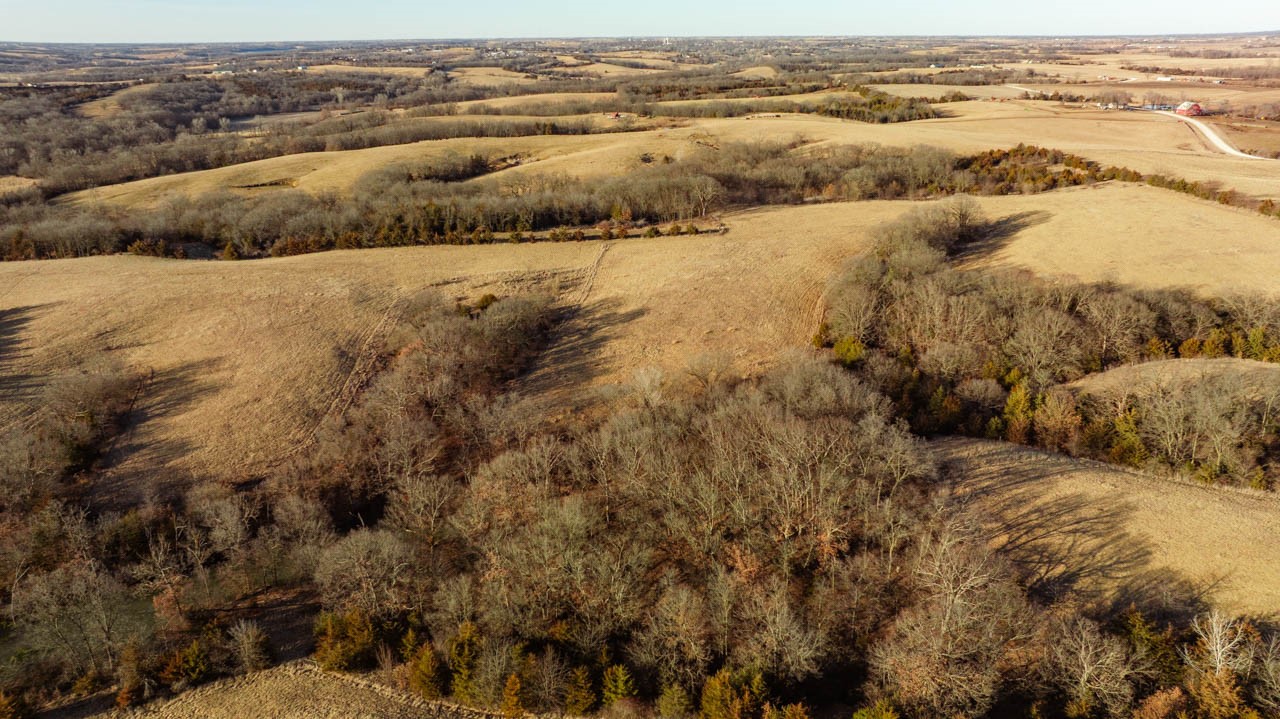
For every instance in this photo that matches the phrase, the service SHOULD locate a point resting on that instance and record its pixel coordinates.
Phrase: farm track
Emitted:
(1212, 136)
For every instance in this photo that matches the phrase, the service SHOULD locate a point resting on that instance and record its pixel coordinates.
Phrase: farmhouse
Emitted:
(1190, 109)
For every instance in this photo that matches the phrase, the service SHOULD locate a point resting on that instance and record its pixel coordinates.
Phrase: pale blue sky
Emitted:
(253, 20)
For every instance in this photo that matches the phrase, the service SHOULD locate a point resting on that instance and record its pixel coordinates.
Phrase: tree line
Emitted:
(451, 201)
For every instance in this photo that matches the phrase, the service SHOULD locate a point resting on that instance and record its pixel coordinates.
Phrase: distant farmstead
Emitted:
(1190, 109)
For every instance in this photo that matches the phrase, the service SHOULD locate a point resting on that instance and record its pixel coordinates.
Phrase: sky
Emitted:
(277, 20)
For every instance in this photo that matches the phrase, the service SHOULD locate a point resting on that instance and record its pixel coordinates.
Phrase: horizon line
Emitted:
(536, 38)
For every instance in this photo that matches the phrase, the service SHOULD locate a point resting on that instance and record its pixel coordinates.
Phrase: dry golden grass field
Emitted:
(1141, 236)
(766, 72)
(298, 690)
(1250, 135)
(110, 105)
(9, 183)
(1257, 376)
(1111, 535)
(603, 69)
(546, 98)
(576, 155)
(243, 359)
(399, 71)
(933, 92)
(489, 76)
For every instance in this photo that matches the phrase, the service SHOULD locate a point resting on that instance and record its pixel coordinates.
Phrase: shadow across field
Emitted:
(1067, 545)
(164, 395)
(574, 357)
(13, 322)
(997, 234)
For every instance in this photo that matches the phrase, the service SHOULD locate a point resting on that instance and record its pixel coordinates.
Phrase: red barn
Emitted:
(1190, 109)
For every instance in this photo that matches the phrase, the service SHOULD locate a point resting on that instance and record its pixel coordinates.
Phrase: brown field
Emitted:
(657, 61)
(545, 98)
(1141, 236)
(603, 69)
(1092, 68)
(233, 349)
(1250, 135)
(489, 76)
(576, 155)
(409, 71)
(9, 183)
(761, 71)
(298, 690)
(1145, 142)
(933, 92)
(1112, 535)
(235, 387)
(110, 105)
(1179, 372)
(1209, 94)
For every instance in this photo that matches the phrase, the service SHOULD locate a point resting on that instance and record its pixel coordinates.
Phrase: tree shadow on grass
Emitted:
(997, 234)
(13, 323)
(1070, 545)
(574, 356)
(136, 467)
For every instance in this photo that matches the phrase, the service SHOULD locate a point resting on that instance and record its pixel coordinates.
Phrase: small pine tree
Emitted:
(882, 709)
(790, 711)
(229, 252)
(579, 696)
(1018, 414)
(424, 673)
(1127, 447)
(188, 666)
(732, 695)
(1159, 647)
(409, 645)
(849, 351)
(511, 704)
(344, 641)
(617, 685)
(464, 649)
(822, 337)
(1156, 349)
(1255, 343)
(1218, 695)
(674, 703)
(1190, 348)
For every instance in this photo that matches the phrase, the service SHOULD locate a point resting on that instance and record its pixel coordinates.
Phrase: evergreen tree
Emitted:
(617, 684)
